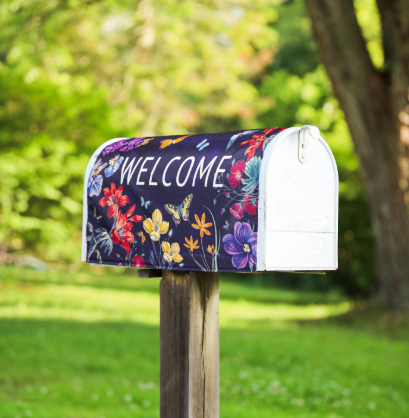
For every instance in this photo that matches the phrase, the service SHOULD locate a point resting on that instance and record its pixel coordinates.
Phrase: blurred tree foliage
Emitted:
(76, 73)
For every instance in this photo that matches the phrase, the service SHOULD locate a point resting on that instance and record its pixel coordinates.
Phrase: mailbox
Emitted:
(239, 201)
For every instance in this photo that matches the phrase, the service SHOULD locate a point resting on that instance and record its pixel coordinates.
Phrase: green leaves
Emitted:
(252, 171)
(75, 74)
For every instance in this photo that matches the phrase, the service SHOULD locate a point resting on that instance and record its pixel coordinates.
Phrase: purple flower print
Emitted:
(242, 245)
(123, 145)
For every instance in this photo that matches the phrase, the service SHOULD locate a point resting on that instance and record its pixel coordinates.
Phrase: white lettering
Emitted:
(192, 159)
(220, 170)
(130, 169)
(166, 169)
(143, 170)
(153, 183)
(202, 171)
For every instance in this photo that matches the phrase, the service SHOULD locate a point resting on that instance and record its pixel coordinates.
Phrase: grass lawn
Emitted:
(86, 344)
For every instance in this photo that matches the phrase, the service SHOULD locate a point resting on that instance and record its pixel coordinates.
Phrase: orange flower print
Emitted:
(202, 225)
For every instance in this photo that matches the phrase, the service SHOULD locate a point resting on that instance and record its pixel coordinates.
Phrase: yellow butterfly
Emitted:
(143, 238)
(167, 142)
(181, 211)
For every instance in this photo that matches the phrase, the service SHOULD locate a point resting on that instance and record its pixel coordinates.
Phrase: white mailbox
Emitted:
(298, 203)
(256, 200)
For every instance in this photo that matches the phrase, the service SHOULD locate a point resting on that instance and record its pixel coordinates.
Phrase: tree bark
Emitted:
(376, 110)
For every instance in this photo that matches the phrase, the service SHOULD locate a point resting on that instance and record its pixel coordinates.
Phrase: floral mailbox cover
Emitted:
(175, 202)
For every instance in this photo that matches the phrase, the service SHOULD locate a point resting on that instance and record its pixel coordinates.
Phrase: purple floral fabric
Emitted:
(177, 202)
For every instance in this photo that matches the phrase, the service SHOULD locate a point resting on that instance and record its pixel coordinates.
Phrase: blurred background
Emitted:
(80, 341)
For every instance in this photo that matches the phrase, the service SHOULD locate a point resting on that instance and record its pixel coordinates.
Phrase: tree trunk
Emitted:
(376, 109)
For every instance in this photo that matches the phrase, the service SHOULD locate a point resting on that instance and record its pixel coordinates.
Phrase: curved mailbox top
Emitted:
(186, 202)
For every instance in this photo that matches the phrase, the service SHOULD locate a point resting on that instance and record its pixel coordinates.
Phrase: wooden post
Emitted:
(189, 344)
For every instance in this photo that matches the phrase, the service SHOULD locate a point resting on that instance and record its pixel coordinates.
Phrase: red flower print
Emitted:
(135, 218)
(236, 172)
(250, 205)
(113, 198)
(121, 234)
(237, 210)
(257, 141)
(138, 261)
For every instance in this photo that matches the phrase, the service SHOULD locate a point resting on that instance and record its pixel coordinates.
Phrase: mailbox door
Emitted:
(298, 206)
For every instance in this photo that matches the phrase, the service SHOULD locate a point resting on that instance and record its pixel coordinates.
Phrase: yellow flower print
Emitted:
(190, 244)
(155, 227)
(171, 253)
(202, 225)
(211, 249)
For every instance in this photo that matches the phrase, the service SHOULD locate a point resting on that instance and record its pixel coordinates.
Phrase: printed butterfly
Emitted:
(234, 137)
(145, 141)
(97, 217)
(113, 165)
(181, 211)
(226, 225)
(145, 203)
(202, 145)
(143, 238)
(167, 142)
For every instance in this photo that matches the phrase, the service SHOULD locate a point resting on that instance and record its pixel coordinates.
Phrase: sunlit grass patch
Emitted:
(86, 345)
(83, 303)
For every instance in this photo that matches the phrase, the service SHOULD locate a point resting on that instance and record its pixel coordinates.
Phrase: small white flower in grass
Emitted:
(146, 403)
(95, 396)
(146, 386)
(371, 405)
(128, 398)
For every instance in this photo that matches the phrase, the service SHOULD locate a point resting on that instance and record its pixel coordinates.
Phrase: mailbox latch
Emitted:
(303, 134)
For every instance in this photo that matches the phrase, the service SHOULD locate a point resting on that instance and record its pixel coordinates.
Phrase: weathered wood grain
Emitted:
(189, 345)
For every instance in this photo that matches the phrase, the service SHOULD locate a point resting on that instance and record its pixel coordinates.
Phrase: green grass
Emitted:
(86, 344)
